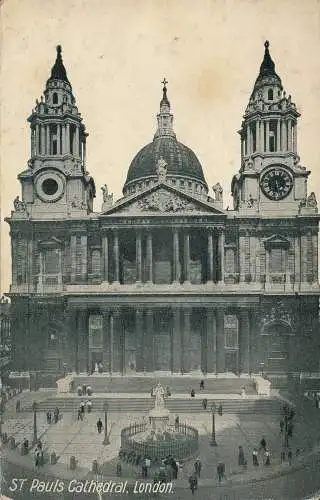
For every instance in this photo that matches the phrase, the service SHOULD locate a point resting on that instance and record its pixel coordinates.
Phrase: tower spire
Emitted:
(267, 65)
(58, 71)
(165, 117)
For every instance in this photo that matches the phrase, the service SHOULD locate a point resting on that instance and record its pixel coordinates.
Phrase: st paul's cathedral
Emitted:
(165, 279)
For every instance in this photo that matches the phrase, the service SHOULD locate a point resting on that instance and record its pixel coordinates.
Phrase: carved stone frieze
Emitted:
(164, 201)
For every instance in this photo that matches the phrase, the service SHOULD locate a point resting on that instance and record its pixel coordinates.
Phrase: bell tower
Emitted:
(270, 177)
(56, 182)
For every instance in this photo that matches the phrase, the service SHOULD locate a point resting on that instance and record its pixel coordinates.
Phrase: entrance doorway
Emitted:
(231, 362)
(96, 359)
(276, 344)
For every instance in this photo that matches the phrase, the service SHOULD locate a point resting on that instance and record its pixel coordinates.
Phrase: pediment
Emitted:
(51, 242)
(276, 241)
(161, 199)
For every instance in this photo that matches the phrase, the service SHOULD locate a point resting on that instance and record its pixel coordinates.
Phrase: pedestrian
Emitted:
(263, 444)
(144, 469)
(193, 483)
(80, 415)
(119, 469)
(192, 393)
(267, 458)
(79, 390)
(82, 406)
(201, 385)
(241, 458)
(290, 456)
(56, 415)
(197, 467)
(255, 460)
(25, 446)
(49, 417)
(99, 425)
(176, 423)
(281, 426)
(37, 457)
(204, 403)
(220, 410)
(18, 406)
(220, 471)
(89, 406)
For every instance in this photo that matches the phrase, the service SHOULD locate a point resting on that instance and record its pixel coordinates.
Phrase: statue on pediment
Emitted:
(161, 169)
(19, 206)
(218, 192)
(77, 203)
(107, 198)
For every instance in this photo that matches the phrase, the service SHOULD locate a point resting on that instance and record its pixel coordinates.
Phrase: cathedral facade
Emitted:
(165, 279)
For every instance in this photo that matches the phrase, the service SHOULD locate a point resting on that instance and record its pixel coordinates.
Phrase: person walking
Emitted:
(56, 414)
(197, 467)
(99, 425)
(193, 483)
(255, 460)
(204, 403)
(241, 458)
(267, 458)
(89, 406)
(82, 406)
(201, 385)
(263, 444)
(80, 415)
(220, 471)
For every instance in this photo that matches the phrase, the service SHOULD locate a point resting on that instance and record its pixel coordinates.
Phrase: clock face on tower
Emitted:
(276, 183)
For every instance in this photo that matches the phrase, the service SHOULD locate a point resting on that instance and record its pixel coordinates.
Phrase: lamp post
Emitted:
(106, 437)
(213, 433)
(35, 432)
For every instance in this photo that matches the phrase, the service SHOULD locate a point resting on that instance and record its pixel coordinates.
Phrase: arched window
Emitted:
(55, 98)
(270, 95)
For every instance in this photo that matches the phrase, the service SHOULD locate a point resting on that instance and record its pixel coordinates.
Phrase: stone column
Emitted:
(297, 260)
(58, 139)
(84, 257)
(289, 135)
(221, 255)
(248, 141)
(73, 256)
(83, 337)
(185, 340)
(40, 280)
(116, 276)
(177, 355)
(76, 142)
(186, 258)
(60, 266)
(48, 139)
(72, 340)
(43, 140)
(67, 151)
(262, 144)
(149, 258)
(286, 269)
(117, 341)
(138, 257)
(107, 351)
(244, 343)
(84, 158)
(283, 135)
(105, 256)
(294, 131)
(253, 340)
(220, 356)
(278, 135)
(314, 257)
(210, 257)
(63, 136)
(211, 342)
(267, 136)
(148, 341)
(267, 266)
(257, 135)
(139, 331)
(176, 277)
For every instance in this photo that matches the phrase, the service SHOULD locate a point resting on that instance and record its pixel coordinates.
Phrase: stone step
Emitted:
(183, 384)
(256, 406)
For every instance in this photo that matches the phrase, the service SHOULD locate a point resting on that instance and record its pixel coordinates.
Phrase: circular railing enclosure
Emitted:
(180, 441)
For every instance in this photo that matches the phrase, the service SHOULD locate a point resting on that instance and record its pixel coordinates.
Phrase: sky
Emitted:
(117, 52)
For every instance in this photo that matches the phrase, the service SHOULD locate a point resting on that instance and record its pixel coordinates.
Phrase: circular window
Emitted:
(50, 186)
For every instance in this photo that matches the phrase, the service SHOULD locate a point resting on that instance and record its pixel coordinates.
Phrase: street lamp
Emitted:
(213, 433)
(35, 433)
(106, 437)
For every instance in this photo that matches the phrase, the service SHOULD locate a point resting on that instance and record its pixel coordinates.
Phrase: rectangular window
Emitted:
(277, 260)
(95, 331)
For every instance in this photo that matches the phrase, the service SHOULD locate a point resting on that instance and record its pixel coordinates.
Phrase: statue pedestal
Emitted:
(159, 419)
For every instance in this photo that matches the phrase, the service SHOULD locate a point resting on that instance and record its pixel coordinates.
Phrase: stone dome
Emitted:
(183, 168)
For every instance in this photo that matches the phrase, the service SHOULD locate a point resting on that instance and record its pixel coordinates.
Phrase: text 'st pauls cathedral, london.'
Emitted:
(165, 278)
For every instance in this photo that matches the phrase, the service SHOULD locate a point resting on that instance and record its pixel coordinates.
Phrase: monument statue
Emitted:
(159, 394)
